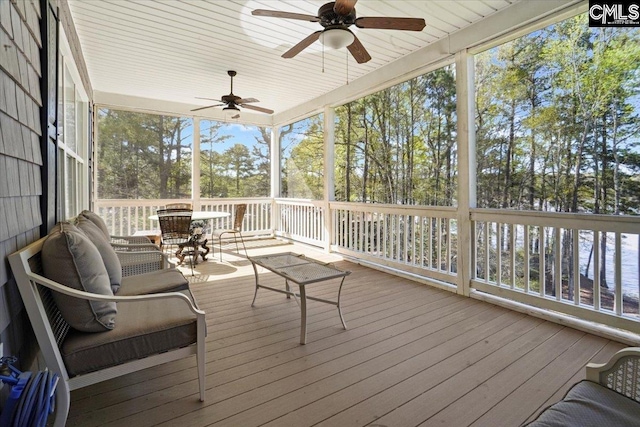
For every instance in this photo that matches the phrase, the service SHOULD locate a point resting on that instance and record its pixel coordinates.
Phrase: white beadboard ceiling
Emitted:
(177, 50)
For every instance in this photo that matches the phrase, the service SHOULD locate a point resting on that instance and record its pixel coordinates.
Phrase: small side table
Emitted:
(302, 271)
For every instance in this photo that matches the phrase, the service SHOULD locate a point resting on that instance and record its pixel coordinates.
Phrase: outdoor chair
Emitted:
(236, 231)
(175, 230)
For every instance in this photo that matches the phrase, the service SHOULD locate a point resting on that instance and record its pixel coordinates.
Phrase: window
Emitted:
(73, 137)
(235, 160)
(143, 156)
(557, 124)
(399, 145)
(302, 159)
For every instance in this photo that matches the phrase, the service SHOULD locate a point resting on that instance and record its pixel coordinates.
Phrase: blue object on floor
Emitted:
(31, 398)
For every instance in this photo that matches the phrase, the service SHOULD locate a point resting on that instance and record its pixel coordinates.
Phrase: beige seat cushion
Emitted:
(144, 328)
(166, 280)
(71, 259)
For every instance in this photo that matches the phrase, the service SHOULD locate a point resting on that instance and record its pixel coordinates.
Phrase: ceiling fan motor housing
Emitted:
(231, 102)
(328, 17)
(230, 99)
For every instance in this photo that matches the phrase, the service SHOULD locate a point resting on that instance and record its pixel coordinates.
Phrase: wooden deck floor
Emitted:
(413, 355)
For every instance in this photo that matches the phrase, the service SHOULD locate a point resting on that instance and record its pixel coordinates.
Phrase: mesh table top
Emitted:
(298, 268)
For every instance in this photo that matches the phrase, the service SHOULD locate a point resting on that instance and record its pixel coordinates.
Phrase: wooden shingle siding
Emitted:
(20, 158)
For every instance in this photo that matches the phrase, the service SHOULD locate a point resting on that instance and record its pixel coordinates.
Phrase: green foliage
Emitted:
(239, 170)
(399, 145)
(149, 156)
(557, 120)
(302, 157)
(143, 156)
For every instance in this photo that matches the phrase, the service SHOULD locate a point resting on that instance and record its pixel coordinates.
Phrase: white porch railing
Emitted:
(555, 261)
(509, 248)
(419, 240)
(300, 220)
(125, 217)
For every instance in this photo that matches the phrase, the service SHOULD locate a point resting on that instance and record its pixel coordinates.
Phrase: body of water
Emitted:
(630, 257)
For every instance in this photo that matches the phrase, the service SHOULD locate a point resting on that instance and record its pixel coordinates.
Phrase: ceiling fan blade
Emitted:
(262, 110)
(209, 99)
(208, 106)
(358, 51)
(288, 15)
(387, 23)
(344, 7)
(246, 100)
(302, 45)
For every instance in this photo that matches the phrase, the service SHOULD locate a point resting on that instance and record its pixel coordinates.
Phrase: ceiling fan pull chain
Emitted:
(347, 55)
(323, 58)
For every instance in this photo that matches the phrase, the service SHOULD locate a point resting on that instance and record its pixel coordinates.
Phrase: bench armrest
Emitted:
(139, 262)
(55, 286)
(621, 373)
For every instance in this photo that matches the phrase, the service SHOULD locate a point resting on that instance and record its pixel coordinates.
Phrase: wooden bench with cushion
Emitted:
(610, 396)
(86, 333)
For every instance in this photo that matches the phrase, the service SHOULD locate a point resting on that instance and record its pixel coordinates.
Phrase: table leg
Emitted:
(180, 255)
(286, 285)
(303, 315)
(255, 271)
(204, 246)
(344, 325)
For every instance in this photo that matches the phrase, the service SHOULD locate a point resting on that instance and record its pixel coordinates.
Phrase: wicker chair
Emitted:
(175, 229)
(236, 231)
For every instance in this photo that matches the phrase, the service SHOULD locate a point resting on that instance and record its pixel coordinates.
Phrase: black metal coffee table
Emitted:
(302, 271)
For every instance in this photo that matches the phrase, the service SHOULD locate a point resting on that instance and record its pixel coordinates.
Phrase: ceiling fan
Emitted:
(336, 18)
(231, 102)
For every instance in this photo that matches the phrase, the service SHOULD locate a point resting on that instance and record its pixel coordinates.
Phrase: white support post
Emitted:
(329, 172)
(195, 165)
(465, 90)
(275, 174)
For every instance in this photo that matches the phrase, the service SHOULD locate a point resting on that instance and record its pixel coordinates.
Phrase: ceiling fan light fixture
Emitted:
(231, 112)
(336, 38)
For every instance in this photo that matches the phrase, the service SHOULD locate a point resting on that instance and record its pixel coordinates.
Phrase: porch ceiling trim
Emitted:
(157, 106)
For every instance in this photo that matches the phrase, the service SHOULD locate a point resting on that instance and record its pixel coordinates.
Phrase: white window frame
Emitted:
(72, 165)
